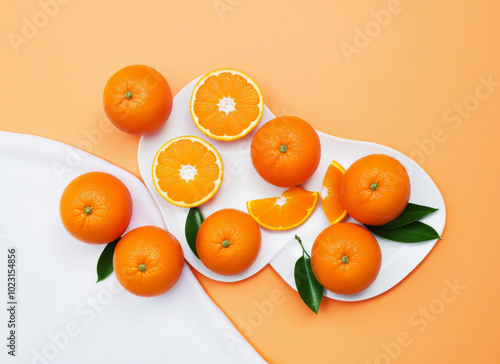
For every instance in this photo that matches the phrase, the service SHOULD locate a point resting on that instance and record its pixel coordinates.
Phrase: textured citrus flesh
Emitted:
(187, 171)
(375, 189)
(346, 258)
(286, 151)
(289, 210)
(96, 208)
(148, 261)
(226, 104)
(331, 200)
(228, 242)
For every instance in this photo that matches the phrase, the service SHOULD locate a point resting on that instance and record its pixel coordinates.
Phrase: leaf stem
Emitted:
(300, 242)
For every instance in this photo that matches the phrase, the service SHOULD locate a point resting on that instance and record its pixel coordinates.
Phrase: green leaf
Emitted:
(105, 262)
(193, 223)
(412, 233)
(412, 213)
(310, 290)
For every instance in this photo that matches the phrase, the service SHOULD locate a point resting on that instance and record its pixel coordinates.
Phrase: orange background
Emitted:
(396, 90)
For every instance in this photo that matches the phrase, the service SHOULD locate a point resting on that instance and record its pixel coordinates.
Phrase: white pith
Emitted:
(280, 201)
(188, 172)
(227, 105)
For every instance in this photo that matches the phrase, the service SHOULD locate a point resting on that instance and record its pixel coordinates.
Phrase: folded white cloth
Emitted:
(60, 314)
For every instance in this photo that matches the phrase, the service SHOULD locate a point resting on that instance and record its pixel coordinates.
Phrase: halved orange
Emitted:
(330, 193)
(289, 210)
(187, 171)
(226, 104)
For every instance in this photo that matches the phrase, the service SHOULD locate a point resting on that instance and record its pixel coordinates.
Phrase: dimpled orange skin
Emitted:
(110, 206)
(362, 251)
(292, 166)
(150, 104)
(389, 198)
(160, 254)
(241, 232)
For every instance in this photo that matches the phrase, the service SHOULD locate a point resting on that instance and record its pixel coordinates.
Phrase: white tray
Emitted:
(242, 183)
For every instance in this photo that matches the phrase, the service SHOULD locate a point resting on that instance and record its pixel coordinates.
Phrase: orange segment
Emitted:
(187, 171)
(226, 104)
(289, 210)
(330, 193)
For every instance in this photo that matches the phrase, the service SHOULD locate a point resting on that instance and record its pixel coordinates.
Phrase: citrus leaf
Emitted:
(411, 213)
(414, 232)
(105, 262)
(193, 223)
(310, 290)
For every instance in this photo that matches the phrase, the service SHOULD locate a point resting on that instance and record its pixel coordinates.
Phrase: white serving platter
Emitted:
(242, 183)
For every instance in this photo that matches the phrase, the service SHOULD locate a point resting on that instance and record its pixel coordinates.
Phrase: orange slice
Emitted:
(226, 104)
(330, 193)
(289, 210)
(187, 171)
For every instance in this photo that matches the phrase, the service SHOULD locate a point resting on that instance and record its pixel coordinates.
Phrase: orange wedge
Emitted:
(187, 171)
(226, 104)
(330, 193)
(289, 210)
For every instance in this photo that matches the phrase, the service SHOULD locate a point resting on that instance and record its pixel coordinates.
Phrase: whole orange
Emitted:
(286, 151)
(375, 189)
(96, 208)
(148, 261)
(346, 258)
(137, 99)
(228, 242)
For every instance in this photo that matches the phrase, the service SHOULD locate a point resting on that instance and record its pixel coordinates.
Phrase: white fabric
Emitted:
(63, 316)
